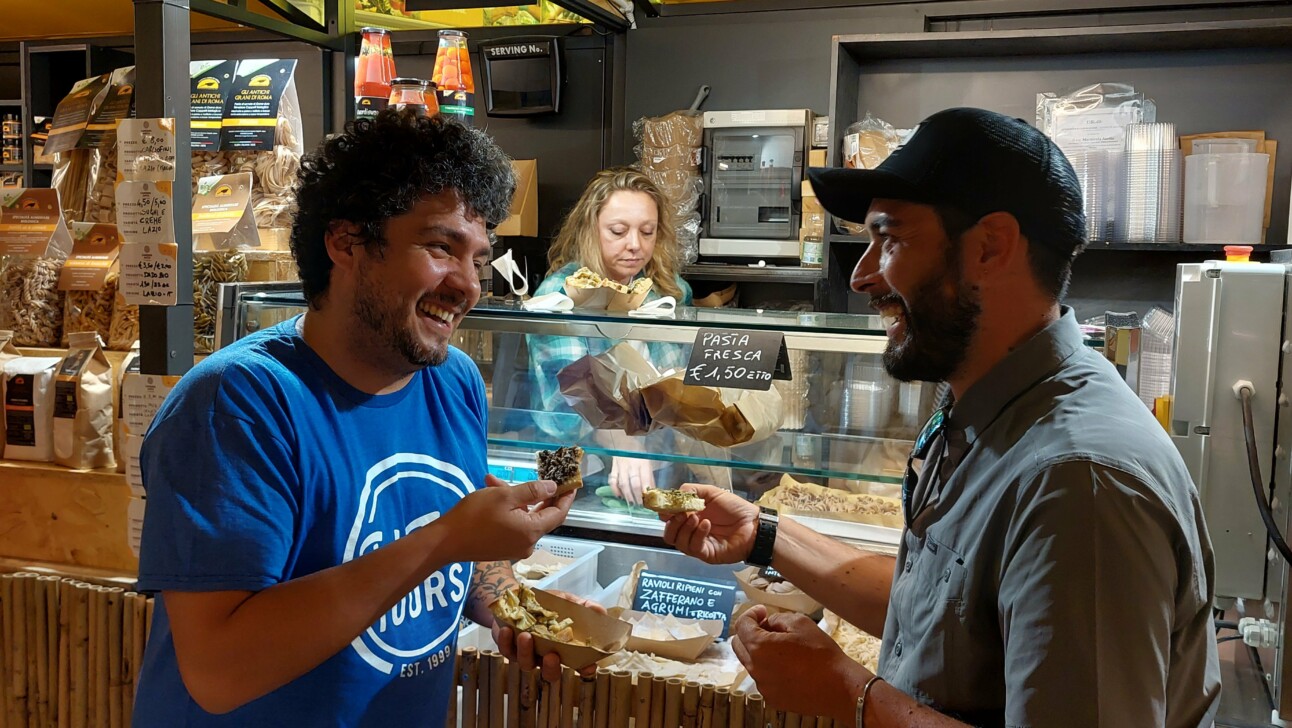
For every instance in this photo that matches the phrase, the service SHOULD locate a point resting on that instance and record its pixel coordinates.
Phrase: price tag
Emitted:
(134, 472)
(135, 523)
(685, 597)
(738, 359)
(148, 273)
(144, 212)
(146, 149)
(143, 395)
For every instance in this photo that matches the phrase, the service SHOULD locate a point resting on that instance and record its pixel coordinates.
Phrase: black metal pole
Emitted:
(162, 90)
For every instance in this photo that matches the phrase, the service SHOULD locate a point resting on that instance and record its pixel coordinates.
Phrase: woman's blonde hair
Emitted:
(579, 239)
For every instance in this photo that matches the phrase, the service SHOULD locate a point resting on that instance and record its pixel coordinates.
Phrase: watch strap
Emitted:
(764, 539)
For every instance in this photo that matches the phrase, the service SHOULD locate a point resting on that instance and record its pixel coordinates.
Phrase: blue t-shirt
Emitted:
(264, 466)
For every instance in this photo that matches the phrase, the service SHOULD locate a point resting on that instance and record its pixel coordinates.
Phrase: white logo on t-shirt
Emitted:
(379, 522)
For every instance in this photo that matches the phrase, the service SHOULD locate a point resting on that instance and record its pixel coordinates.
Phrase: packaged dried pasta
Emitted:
(30, 286)
(89, 277)
(123, 331)
(90, 311)
(210, 269)
(101, 196)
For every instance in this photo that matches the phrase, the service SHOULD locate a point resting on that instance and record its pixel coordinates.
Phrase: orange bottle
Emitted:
(374, 70)
(453, 78)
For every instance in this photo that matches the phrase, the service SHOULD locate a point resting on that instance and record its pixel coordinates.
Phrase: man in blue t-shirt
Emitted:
(317, 522)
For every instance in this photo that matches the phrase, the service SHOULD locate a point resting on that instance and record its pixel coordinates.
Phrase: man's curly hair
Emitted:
(379, 168)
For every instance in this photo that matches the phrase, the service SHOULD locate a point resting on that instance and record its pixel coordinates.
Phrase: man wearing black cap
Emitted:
(1055, 569)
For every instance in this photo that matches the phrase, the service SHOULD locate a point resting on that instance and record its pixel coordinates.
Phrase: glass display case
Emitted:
(843, 423)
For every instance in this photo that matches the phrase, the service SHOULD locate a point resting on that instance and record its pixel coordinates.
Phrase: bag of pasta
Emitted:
(30, 288)
(83, 405)
(269, 146)
(89, 278)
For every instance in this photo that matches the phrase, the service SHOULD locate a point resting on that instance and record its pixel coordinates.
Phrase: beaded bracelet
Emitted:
(861, 701)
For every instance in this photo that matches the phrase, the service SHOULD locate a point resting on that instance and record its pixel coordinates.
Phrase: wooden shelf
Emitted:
(75, 518)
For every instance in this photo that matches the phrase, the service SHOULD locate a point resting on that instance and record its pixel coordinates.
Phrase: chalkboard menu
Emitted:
(737, 358)
(685, 597)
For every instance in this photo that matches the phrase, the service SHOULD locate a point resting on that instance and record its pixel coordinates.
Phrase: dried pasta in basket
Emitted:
(29, 287)
(90, 310)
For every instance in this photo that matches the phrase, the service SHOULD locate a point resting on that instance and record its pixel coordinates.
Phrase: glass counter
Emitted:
(845, 423)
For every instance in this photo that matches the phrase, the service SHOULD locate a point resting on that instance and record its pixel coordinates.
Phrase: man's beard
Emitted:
(938, 328)
(388, 327)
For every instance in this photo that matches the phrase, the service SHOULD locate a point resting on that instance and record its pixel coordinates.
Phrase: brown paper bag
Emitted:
(83, 405)
(718, 416)
(605, 389)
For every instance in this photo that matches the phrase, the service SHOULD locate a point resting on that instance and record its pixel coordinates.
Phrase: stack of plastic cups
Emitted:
(1151, 209)
(1098, 174)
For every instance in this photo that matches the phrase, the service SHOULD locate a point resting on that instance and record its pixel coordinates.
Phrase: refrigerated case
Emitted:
(845, 423)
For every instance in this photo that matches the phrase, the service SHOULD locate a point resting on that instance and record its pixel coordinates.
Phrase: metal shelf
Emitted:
(737, 273)
(1175, 247)
(10, 102)
(1051, 41)
(849, 239)
(11, 167)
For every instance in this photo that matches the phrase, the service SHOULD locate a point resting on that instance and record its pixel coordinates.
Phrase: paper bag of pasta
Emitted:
(89, 279)
(589, 290)
(718, 416)
(605, 389)
(83, 405)
(793, 498)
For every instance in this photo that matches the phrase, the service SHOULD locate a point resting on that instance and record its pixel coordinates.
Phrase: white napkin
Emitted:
(510, 271)
(555, 302)
(660, 307)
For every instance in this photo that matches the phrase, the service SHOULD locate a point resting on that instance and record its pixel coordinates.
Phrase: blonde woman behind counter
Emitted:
(620, 229)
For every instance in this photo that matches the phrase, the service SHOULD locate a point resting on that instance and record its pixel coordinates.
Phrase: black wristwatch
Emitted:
(765, 539)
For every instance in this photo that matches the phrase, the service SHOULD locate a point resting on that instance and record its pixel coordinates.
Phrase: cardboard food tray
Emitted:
(604, 635)
(799, 602)
(687, 650)
(606, 298)
(770, 500)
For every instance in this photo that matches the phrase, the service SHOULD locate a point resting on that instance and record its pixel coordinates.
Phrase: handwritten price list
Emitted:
(148, 273)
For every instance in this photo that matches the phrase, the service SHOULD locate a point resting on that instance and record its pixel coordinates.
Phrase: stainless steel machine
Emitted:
(753, 175)
(1232, 423)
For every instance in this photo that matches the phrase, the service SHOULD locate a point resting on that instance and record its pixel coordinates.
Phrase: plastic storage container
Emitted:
(1224, 197)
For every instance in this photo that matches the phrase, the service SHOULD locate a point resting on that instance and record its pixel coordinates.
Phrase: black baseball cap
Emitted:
(976, 161)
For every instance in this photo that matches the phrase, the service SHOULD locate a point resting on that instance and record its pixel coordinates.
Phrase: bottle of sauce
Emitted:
(411, 93)
(373, 73)
(456, 86)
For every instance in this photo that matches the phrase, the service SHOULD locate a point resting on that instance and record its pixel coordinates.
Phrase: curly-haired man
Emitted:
(317, 522)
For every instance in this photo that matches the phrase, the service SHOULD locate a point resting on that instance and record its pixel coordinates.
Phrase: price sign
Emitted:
(685, 597)
(148, 273)
(143, 395)
(135, 523)
(144, 212)
(738, 359)
(134, 474)
(146, 149)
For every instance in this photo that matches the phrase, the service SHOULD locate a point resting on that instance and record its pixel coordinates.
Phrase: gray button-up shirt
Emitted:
(1059, 572)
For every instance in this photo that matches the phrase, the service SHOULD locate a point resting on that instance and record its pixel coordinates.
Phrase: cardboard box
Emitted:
(816, 158)
(524, 204)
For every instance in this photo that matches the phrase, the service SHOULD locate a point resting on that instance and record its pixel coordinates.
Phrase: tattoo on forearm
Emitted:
(489, 580)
